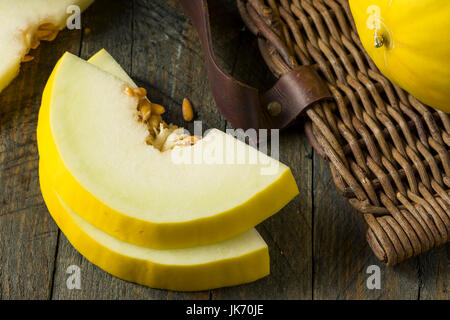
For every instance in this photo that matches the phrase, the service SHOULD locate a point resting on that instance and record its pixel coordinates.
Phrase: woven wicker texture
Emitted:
(388, 153)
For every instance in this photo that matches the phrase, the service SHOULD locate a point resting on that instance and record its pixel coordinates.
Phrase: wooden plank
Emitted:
(110, 26)
(168, 61)
(159, 48)
(288, 233)
(28, 235)
(112, 30)
(341, 253)
(434, 271)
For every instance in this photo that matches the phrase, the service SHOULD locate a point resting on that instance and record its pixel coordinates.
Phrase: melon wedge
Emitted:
(23, 23)
(242, 259)
(95, 155)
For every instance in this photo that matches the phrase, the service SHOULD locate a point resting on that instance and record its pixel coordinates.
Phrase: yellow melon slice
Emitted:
(97, 159)
(238, 260)
(23, 23)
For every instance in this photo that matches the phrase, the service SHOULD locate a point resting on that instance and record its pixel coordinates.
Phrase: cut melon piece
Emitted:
(107, 63)
(242, 259)
(96, 156)
(23, 23)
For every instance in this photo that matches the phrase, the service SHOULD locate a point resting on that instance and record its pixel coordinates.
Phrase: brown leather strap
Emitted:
(243, 106)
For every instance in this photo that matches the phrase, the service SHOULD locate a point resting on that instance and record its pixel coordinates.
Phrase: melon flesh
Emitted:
(99, 163)
(242, 259)
(19, 20)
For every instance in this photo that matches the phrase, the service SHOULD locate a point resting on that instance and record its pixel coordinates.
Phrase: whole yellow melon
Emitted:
(409, 41)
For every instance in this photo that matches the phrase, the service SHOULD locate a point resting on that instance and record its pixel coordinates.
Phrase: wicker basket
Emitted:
(388, 153)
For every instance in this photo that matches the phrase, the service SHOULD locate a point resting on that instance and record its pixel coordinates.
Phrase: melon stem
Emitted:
(379, 41)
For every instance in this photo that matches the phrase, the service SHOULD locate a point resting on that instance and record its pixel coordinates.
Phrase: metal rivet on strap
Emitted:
(274, 108)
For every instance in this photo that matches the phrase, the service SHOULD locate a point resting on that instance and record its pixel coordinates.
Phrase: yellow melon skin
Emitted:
(415, 50)
(159, 235)
(232, 271)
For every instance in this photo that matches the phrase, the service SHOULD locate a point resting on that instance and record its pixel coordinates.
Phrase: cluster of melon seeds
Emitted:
(45, 32)
(162, 136)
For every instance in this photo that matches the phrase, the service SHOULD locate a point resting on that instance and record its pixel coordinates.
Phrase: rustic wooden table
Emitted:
(317, 243)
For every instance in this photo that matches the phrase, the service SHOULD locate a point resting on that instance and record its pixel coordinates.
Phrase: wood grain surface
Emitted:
(317, 243)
